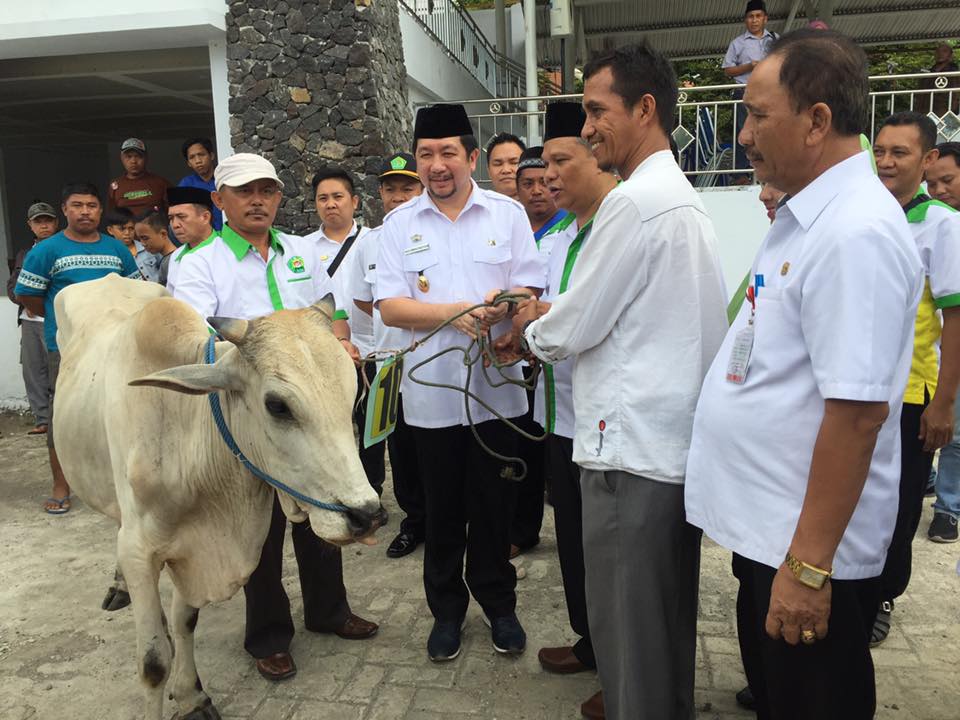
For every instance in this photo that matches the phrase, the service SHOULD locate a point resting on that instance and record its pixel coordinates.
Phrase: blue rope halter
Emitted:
(221, 424)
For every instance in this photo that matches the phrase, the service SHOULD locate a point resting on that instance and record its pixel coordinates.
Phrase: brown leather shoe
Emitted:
(560, 660)
(356, 628)
(276, 667)
(592, 709)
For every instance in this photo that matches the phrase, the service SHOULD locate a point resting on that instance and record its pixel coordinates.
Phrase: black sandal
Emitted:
(881, 626)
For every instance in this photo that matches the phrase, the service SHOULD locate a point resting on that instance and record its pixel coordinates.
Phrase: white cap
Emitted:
(242, 168)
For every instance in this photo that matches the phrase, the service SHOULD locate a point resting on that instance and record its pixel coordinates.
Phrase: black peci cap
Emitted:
(755, 5)
(188, 195)
(563, 119)
(441, 121)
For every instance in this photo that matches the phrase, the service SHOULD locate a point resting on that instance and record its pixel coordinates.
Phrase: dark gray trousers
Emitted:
(33, 358)
(642, 563)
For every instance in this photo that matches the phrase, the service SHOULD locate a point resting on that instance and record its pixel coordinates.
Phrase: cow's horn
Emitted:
(326, 307)
(232, 329)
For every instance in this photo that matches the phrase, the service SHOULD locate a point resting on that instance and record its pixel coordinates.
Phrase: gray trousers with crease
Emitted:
(642, 563)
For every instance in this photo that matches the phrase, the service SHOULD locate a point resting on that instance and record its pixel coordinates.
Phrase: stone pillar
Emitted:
(317, 82)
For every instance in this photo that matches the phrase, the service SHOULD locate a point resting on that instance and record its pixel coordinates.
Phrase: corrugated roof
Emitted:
(704, 28)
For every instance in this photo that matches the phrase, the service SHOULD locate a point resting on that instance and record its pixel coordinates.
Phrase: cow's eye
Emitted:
(278, 408)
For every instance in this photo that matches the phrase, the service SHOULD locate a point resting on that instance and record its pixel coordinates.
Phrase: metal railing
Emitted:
(708, 118)
(450, 25)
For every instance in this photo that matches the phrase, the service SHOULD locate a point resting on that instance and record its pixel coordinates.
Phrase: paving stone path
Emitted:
(62, 657)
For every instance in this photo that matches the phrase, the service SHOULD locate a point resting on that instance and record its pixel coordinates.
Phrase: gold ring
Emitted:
(808, 636)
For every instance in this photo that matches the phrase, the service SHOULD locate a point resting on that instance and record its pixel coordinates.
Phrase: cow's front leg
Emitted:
(192, 702)
(142, 573)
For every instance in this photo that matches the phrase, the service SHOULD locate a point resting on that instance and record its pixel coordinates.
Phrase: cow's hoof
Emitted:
(115, 599)
(205, 712)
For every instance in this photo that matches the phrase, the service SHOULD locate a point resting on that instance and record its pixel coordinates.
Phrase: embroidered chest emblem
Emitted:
(785, 269)
(296, 264)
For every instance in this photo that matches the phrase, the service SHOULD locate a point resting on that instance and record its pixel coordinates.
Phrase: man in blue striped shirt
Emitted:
(76, 254)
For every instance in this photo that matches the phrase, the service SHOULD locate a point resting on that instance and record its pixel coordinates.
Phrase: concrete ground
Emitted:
(62, 657)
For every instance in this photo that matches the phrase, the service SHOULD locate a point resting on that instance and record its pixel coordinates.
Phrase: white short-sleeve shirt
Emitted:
(226, 276)
(361, 326)
(363, 286)
(838, 279)
(489, 246)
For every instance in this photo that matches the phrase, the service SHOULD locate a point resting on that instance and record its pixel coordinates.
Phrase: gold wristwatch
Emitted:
(809, 575)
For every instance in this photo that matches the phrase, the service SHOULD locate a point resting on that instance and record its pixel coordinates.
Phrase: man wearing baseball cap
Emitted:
(42, 221)
(399, 183)
(249, 270)
(137, 190)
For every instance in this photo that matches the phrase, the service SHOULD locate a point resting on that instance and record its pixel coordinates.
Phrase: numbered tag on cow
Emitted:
(383, 401)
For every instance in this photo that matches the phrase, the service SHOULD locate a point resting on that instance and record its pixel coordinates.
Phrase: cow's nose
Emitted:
(362, 522)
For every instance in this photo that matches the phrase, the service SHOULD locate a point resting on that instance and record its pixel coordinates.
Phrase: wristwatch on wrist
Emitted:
(809, 575)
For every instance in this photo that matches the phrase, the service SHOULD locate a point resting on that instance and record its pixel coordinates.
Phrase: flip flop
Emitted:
(38, 430)
(62, 506)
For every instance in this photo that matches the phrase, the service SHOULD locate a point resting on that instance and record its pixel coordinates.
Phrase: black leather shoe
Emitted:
(403, 544)
(746, 700)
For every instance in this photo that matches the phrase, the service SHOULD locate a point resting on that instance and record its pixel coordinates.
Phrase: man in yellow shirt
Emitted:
(904, 148)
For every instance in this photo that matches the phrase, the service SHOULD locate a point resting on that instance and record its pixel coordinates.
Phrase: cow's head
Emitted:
(287, 389)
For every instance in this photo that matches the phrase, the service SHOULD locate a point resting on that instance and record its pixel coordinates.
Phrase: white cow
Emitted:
(153, 459)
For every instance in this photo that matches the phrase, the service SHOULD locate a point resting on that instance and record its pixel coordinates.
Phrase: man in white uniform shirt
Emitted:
(248, 271)
(439, 255)
(399, 183)
(643, 320)
(795, 459)
(337, 202)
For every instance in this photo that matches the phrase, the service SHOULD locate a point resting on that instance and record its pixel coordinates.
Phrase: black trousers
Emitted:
(269, 624)
(407, 483)
(528, 517)
(568, 518)
(831, 679)
(914, 472)
(469, 506)
(372, 457)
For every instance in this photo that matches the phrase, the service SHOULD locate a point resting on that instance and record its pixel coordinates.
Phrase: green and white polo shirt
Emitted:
(226, 276)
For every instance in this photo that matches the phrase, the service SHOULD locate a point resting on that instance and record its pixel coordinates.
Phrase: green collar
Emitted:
(240, 247)
(186, 249)
(918, 212)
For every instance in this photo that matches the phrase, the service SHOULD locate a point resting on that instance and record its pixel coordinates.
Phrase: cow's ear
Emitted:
(192, 379)
(324, 308)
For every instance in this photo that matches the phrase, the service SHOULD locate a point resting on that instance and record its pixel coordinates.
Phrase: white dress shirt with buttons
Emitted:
(227, 277)
(834, 320)
(489, 246)
(554, 399)
(643, 320)
(361, 325)
(362, 284)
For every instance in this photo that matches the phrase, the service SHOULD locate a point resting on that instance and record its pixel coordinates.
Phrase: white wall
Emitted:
(64, 27)
(741, 223)
(432, 76)
(487, 22)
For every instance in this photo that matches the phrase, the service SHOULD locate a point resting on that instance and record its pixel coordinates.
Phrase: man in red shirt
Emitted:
(137, 189)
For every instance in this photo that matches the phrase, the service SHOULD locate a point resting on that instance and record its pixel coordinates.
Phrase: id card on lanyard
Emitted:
(739, 362)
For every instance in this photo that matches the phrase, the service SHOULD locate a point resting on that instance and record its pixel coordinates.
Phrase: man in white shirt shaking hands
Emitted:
(644, 319)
